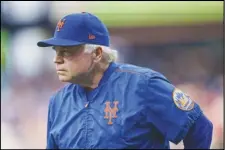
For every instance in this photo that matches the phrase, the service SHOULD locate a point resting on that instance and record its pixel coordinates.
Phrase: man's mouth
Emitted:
(59, 69)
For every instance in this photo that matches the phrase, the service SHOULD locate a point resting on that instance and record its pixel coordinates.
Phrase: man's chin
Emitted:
(63, 79)
(79, 79)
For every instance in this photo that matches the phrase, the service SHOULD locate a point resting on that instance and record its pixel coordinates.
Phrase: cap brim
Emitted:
(58, 42)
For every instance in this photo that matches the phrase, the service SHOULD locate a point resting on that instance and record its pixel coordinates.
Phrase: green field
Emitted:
(157, 13)
(4, 41)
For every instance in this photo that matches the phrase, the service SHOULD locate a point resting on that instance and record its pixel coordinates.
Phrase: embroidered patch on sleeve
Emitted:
(182, 101)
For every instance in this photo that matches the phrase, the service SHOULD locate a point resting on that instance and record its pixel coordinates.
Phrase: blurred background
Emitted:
(182, 40)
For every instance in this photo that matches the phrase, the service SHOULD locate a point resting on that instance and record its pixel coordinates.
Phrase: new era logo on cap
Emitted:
(91, 37)
(79, 28)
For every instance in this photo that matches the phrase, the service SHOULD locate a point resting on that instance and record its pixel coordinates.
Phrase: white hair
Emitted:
(110, 55)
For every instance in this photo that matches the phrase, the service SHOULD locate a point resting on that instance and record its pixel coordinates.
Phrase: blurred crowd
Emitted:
(28, 78)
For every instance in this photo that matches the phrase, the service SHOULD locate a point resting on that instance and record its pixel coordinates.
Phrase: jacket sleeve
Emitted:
(169, 110)
(200, 134)
(50, 139)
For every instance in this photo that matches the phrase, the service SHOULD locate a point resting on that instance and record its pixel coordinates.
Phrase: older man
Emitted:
(111, 105)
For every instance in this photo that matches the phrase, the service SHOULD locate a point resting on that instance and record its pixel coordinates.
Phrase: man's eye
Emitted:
(65, 53)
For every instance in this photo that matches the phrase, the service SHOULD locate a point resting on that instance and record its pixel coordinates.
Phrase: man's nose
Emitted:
(58, 59)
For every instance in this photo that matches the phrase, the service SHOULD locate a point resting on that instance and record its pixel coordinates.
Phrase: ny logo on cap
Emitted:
(60, 24)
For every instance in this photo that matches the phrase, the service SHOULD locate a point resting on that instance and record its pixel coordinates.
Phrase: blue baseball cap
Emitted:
(77, 29)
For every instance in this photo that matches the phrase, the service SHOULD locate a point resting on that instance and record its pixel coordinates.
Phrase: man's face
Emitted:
(72, 63)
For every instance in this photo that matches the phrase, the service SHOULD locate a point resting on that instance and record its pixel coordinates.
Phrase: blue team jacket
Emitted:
(133, 107)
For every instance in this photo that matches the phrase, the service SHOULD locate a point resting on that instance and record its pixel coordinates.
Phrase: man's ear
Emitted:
(97, 54)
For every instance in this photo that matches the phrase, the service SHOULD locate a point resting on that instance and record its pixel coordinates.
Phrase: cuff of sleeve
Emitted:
(193, 116)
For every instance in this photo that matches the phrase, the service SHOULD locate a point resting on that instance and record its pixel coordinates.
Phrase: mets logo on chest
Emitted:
(110, 112)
